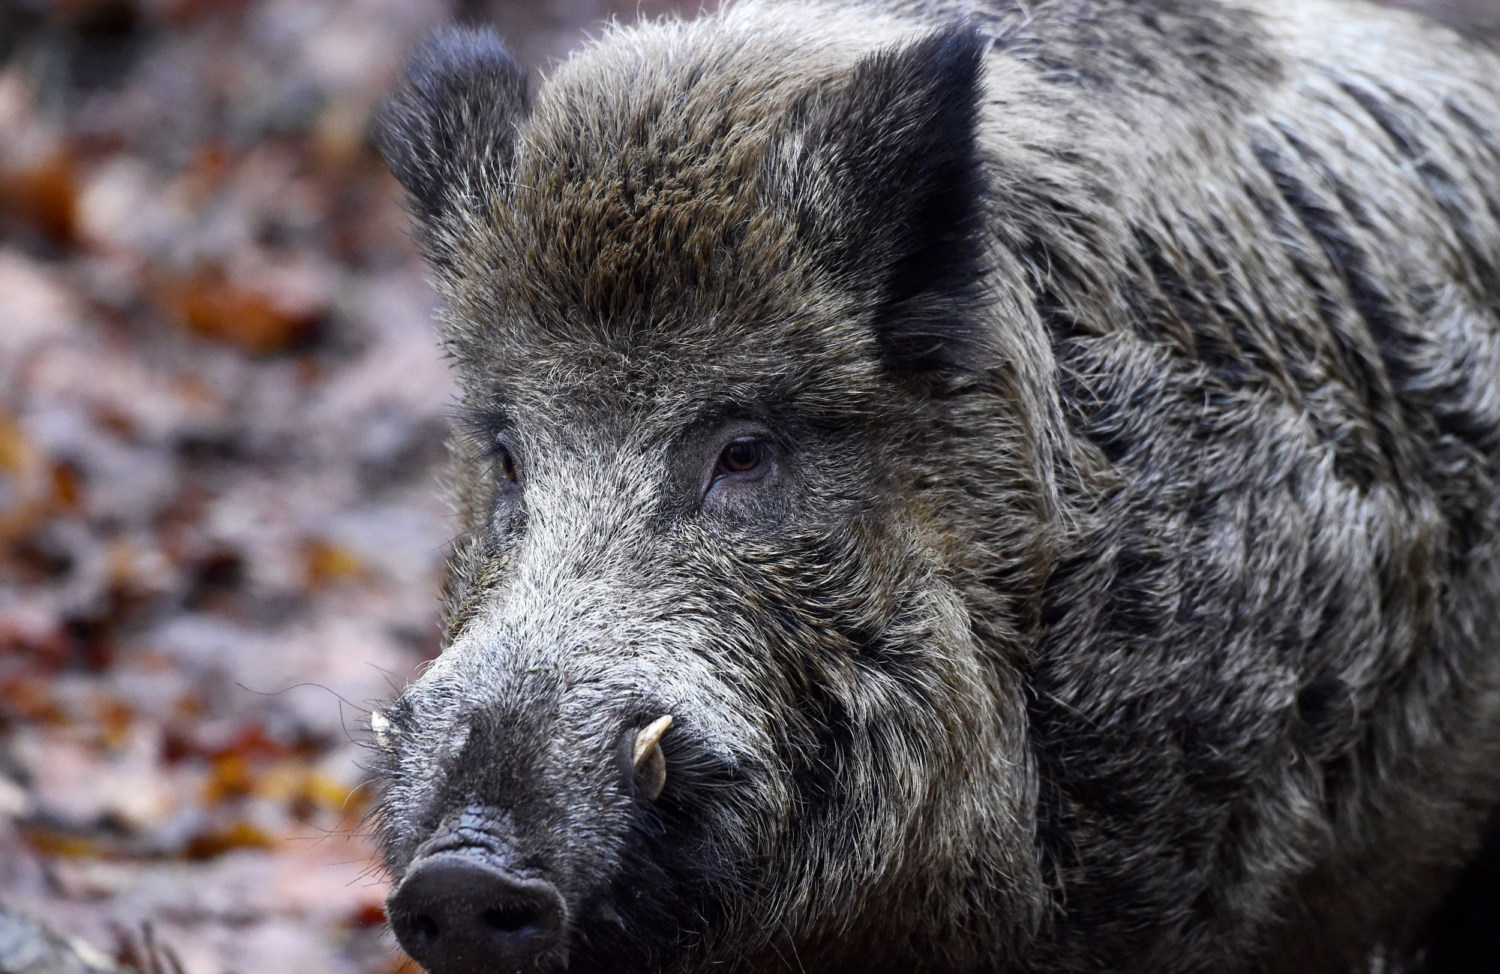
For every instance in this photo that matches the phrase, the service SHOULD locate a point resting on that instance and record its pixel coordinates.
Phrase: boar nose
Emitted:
(457, 914)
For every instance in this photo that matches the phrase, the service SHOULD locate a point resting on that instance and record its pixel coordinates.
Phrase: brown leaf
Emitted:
(400, 964)
(67, 491)
(207, 303)
(49, 842)
(115, 720)
(327, 563)
(28, 698)
(44, 196)
(41, 487)
(230, 776)
(368, 915)
(215, 842)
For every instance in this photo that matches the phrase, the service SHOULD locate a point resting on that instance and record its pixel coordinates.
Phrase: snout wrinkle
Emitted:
(477, 830)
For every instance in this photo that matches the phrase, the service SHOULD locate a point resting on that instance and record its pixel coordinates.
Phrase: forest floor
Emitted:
(221, 408)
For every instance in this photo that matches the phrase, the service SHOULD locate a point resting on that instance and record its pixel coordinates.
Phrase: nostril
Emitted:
(510, 919)
(424, 927)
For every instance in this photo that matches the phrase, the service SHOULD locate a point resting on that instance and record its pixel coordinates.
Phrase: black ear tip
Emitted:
(903, 133)
(959, 44)
(951, 57)
(451, 64)
(452, 118)
(454, 54)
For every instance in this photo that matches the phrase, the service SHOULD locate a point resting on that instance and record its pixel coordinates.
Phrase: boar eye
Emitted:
(507, 463)
(742, 458)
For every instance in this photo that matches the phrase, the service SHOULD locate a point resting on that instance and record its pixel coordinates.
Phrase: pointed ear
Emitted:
(448, 131)
(896, 147)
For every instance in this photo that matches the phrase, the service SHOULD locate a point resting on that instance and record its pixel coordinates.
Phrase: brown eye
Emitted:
(742, 456)
(507, 464)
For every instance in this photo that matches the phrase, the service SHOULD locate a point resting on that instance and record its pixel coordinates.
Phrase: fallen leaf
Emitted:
(327, 563)
(28, 698)
(216, 842)
(207, 303)
(296, 783)
(19, 457)
(51, 842)
(44, 196)
(368, 915)
(230, 776)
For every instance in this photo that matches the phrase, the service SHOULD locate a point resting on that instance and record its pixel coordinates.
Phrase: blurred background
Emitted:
(221, 411)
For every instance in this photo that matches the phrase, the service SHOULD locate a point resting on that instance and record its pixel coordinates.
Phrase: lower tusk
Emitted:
(649, 762)
(381, 725)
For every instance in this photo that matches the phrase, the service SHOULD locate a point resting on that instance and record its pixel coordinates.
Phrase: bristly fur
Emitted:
(1126, 592)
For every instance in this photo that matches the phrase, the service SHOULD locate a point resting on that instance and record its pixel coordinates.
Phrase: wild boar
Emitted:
(959, 487)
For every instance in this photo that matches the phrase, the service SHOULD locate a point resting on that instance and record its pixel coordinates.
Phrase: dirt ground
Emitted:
(221, 409)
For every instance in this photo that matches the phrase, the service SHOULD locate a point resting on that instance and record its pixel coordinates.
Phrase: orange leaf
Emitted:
(209, 304)
(52, 843)
(215, 842)
(327, 563)
(44, 195)
(230, 776)
(19, 457)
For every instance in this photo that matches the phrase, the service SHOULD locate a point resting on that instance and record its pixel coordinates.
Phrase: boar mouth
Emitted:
(460, 910)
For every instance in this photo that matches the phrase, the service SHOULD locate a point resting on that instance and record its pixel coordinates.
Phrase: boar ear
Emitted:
(449, 129)
(897, 146)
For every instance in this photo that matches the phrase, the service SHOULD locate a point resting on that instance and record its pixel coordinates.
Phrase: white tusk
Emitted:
(649, 762)
(649, 737)
(381, 725)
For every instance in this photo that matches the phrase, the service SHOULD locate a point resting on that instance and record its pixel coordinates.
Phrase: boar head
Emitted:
(729, 674)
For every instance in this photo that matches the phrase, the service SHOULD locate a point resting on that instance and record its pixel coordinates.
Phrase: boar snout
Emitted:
(496, 877)
(457, 913)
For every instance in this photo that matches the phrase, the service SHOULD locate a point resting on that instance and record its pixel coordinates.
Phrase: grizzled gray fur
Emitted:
(1041, 456)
